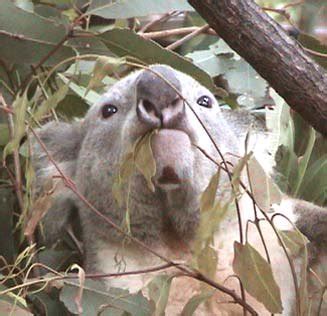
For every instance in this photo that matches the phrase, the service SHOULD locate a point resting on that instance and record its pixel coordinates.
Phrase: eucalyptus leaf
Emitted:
(122, 9)
(144, 159)
(20, 107)
(124, 42)
(159, 289)
(257, 277)
(194, 302)
(264, 190)
(208, 197)
(95, 295)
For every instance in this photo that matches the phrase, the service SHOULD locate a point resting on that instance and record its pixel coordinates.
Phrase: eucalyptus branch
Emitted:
(190, 272)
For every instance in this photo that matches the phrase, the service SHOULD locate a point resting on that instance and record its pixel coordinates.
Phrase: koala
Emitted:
(166, 219)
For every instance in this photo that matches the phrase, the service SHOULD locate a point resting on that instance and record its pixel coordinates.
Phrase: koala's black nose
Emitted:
(158, 97)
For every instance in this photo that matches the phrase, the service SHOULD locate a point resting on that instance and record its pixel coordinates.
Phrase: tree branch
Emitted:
(279, 59)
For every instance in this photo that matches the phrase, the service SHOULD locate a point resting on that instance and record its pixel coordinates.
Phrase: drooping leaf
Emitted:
(264, 190)
(257, 277)
(304, 160)
(159, 289)
(95, 295)
(104, 66)
(20, 107)
(144, 160)
(40, 207)
(207, 261)
(237, 171)
(294, 240)
(194, 302)
(51, 102)
(90, 98)
(122, 9)
(208, 197)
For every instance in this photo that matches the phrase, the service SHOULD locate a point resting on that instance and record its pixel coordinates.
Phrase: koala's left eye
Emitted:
(108, 110)
(205, 101)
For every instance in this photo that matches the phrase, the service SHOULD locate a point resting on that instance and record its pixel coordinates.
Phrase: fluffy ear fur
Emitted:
(63, 142)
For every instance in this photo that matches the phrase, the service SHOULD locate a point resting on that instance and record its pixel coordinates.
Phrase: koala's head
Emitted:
(159, 98)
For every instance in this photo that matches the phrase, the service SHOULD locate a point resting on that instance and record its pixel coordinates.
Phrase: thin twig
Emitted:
(174, 32)
(188, 37)
(191, 273)
(154, 22)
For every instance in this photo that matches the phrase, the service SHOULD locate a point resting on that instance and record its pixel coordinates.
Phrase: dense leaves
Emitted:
(56, 58)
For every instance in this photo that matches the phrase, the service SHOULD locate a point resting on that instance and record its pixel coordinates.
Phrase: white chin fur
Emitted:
(172, 149)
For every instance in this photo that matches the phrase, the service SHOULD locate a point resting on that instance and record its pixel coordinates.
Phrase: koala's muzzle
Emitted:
(158, 98)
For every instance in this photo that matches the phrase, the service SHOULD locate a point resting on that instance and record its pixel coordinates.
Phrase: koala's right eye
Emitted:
(108, 110)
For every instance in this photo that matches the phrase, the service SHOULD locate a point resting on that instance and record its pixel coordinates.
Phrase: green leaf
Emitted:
(207, 261)
(257, 277)
(122, 9)
(304, 160)
(20, 107)
(104, 66)
(159, 289)
(95, 295)
(194, 303)
(29, 25)
(126, 169)
(90, 98)
(51, 102)
(208, 197)
(144, 160)
(4, 134)
(23, 42)
(123, 43)
(293, 240)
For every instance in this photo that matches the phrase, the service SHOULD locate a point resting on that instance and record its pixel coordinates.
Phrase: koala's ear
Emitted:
(63, 142)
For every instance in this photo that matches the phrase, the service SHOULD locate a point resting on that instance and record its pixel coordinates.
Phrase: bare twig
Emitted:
(154, 22)
(174, 32)
(188, 37)
(189, 272)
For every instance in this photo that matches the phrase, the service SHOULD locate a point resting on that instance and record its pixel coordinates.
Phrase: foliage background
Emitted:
(58, 56)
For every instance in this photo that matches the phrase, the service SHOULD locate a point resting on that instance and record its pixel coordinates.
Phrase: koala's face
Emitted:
(146, 100)
(154, 100)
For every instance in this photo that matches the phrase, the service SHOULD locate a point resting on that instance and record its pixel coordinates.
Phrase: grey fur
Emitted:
(90, 152)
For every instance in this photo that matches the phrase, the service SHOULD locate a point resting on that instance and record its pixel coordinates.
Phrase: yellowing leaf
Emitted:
(264, 190)
(237, 171)
(144, 159)
(294, 240)
(104, 66)
(159, 289)
(257, 277)
(207, 261)
(208, 197)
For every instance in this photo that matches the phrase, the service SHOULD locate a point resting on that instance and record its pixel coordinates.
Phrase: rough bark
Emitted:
(276, 57)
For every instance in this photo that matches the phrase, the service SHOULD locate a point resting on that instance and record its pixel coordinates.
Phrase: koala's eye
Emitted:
(108, 110)
(205, 101)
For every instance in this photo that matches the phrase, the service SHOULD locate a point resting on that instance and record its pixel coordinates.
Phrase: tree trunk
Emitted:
(278, 58)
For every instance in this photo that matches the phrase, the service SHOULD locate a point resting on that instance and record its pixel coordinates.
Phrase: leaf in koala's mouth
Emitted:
(144, 160)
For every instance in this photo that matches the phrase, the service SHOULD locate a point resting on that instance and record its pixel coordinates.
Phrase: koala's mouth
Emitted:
(173, 153)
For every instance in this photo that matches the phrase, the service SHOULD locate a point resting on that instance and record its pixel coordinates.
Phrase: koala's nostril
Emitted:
(148, 106)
